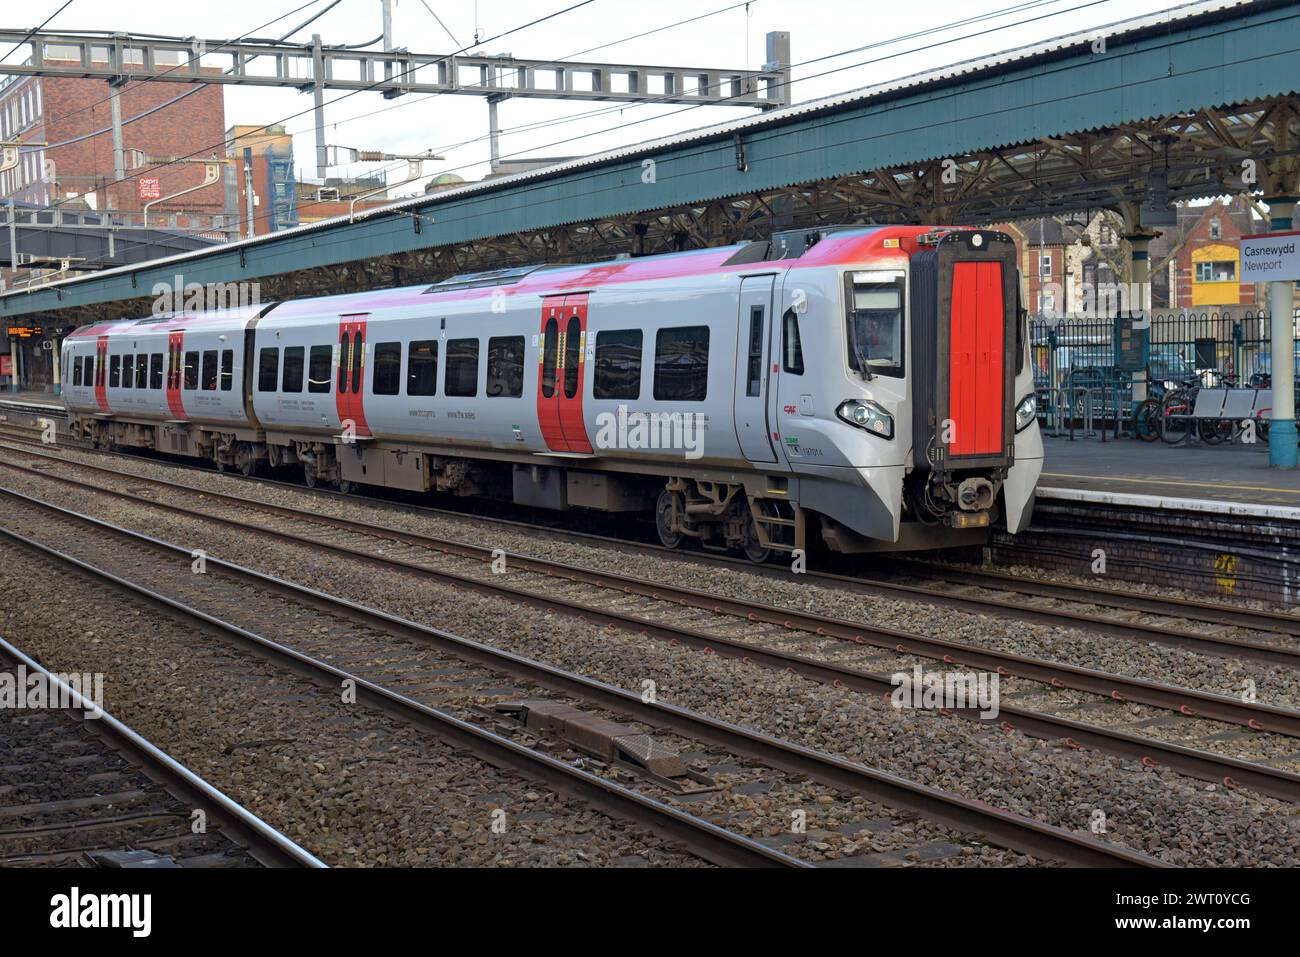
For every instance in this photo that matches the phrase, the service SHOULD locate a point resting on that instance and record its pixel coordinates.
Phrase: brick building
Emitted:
(1205, 271)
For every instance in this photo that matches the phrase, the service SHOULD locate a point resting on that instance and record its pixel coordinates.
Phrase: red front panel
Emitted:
(175, 373)
(350, 374)
(976, 351)
(572, 372)
(548, 379)
(101, 373)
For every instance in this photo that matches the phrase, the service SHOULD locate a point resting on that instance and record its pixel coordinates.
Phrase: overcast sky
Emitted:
(456, 126)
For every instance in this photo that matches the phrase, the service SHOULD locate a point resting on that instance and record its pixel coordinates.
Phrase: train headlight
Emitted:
(867, 415)
(1026, 412)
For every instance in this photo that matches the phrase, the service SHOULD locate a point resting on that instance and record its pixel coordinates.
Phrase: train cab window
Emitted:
(682, 364)
(505, 366)
(618, 365)
(387, 377)
(142, 371)
(227, 369)
(191, 370)
(791, 345)
(293, 363)
(875, 327)
(268, 369)
(318, 373)
(754, 365)
(462, 367)
(210, 370)
(76, 371)
(422, 368)
(156, 370)
(572, 356)
(550, 348)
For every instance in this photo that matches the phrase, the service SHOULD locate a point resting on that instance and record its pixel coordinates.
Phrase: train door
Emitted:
(548, 363)
(571, 373)
(101, 373)
(976, 358)
(349, 394)
(752, 360)
(175, 373)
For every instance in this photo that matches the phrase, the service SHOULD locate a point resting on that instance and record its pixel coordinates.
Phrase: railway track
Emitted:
(342, 536)
(92, 793)
(1004, 828)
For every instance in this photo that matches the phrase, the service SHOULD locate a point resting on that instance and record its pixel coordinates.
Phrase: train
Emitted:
(862, 388)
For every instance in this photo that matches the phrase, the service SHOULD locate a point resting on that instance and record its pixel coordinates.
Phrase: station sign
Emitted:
(24, 332)
(149, 187)
(1272, 257)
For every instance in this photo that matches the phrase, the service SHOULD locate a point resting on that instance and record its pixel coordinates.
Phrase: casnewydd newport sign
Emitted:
(1273, 257)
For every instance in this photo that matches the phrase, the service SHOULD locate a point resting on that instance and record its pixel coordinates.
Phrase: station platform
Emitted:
(36, 401)
(1228, 479)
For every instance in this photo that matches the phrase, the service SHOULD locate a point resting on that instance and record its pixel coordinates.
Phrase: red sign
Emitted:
(6, 365)
(149, 188)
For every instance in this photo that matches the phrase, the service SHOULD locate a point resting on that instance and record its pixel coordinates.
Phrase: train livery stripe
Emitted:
(975, 359)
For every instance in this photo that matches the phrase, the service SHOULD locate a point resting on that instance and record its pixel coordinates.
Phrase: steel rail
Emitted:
(1187, 701)
(267, 845)
(704, 838)
(1003, 827)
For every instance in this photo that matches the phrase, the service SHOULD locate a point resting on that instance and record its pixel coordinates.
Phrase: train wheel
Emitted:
(309, 474)
(754, 549)
(664, 519)
(346, 487)
(246, 458)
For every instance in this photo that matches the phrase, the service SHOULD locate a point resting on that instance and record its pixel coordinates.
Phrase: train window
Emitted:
(572, 356)
(192, 370)
(875, 328)
(618, 365)
(227, 369)
(156, 370)
(76, 371)
(754, 367)
(550, 346)
(142, 371)
(682, 364)
(89, 373)
(505, 367)
(344, 339)
(422, 368)
(462, 367)
(292, 381)
(387, 377)
(318, 375)
(791, 345)
(114, 371)
(210, 370)
(268, 369)
(128, 372)
(357, 360)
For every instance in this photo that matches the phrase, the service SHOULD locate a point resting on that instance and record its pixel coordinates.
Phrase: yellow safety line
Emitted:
(1131, 478)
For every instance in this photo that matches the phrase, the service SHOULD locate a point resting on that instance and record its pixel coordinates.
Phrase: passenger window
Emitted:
(792, 347)
(128, 372)
(156, 370)
(505, 366)
(357, 356)
(142, 371)
(268, 369)
(550, 349)
(192, 370)
(318, 376)
(618, 365)
(572, 356)
(422, 368)
(76, 371)
(227, 369)
(90, 371)
(293, 356)
(682, 364)
(210, 370)
(462, 367)
(387, 376)
(754, 371)
(114, 371)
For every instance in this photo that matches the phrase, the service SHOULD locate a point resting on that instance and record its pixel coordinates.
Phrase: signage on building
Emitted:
(149, 187)
(24, 332)
(1271, 257)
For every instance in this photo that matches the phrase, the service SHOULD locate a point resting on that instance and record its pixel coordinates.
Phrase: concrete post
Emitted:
(1141, 279)
(1281, 428)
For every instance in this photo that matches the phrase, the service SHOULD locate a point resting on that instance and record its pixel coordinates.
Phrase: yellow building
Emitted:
(1215, 275)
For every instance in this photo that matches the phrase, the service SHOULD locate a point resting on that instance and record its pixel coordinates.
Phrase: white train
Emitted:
(868, 384)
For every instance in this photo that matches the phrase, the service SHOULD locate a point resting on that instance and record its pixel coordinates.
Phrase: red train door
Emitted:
(975, 359)
(548, 358)
(571, 372)
(175, 373)
(349, 396)
(101, 373)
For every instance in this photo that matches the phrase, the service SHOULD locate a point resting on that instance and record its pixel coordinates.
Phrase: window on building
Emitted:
(227, 369)
(192, 370)
(1216, 271)
(293, 363)
(114, 371)
(210, 370)
(682, 364)
(618, 365)
(1216, 228)
(462, 367)
(792, 345)
(422, 368)
(318, 375)
(268, 369)
(505, 366)
(156, 370)
(387, 377)
(1045, 265)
